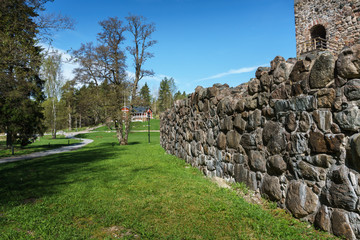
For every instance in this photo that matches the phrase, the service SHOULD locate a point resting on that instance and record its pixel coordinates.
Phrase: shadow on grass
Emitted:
(46, 146)
(37, 178)
(141, 169)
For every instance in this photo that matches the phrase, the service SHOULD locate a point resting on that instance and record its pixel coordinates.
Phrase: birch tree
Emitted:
(52, 74)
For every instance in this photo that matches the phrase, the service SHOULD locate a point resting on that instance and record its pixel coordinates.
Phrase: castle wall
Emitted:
(341, 18)
(291, 134)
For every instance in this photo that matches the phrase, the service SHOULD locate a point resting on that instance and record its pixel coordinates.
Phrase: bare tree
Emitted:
(113, 59)
(141, 34)
(105, 64)
(90, 69)
(50, 23)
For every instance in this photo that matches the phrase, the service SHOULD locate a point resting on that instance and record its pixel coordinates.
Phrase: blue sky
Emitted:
(200, 42)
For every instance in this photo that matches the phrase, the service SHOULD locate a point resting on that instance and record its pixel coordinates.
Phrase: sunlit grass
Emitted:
(154, 125)
(107, 191)
(137, 126)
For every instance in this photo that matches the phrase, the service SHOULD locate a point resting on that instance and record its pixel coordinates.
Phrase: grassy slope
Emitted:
(106, 192)
(37, 146)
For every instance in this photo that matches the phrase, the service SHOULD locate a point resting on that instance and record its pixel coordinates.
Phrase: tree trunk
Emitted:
(119, 132)
(8, 139)
(127, 126)
(54, 123)
(69, 120)
(133, 95)
(80, 120)
(96, 118)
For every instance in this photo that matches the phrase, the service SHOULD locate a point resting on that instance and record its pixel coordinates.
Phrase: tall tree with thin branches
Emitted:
(52, 74)
(103, 64)
(141, 36)
(69, 97)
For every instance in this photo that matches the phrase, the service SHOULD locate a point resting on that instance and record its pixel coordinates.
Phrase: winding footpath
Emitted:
(52, 151)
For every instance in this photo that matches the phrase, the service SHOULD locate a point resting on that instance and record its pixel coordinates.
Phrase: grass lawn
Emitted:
(37, 146)
(154, 125)
(106, 191)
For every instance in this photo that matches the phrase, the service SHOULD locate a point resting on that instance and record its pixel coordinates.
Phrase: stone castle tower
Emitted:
(326, 24)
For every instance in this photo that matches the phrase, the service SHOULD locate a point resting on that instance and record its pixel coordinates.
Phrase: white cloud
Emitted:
(131, 75)
(68, 70)
(67, 66)
(231, 72)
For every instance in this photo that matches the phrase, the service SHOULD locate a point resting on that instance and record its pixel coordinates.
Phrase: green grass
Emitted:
(104, 128)
(154, 125)
(137, 126)
(107, 191)
(41, 144)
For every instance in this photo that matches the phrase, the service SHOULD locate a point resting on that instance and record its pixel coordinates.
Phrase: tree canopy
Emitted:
(21, 86)
(103, 64)
(145, 98)
(52, 74)
(20, 60)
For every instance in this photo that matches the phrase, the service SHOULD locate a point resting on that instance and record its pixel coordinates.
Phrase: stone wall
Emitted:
(291, 134)
(341, 19)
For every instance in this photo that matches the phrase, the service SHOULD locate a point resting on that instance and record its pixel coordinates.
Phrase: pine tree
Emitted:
(20, 85)
(145, 95)
(165, 96)
(178, 95)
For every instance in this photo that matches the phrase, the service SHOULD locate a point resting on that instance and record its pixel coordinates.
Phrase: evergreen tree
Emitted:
(20, 85)
(178, 95)
(145, 95)
(165, 96)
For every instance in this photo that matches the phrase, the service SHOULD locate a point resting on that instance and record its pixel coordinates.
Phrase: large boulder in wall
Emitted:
(348, 63)
(274, 137)
(322, 71)
(300, 199)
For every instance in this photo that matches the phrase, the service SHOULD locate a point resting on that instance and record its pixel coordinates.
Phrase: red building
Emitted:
(139, 114)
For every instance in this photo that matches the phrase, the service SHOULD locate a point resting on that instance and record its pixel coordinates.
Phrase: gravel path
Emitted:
(52, 151)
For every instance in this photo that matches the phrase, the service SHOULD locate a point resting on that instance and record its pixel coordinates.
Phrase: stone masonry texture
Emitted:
(341, 19)
(291, 134)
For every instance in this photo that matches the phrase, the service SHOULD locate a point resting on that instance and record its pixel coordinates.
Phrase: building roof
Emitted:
(139, 109)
